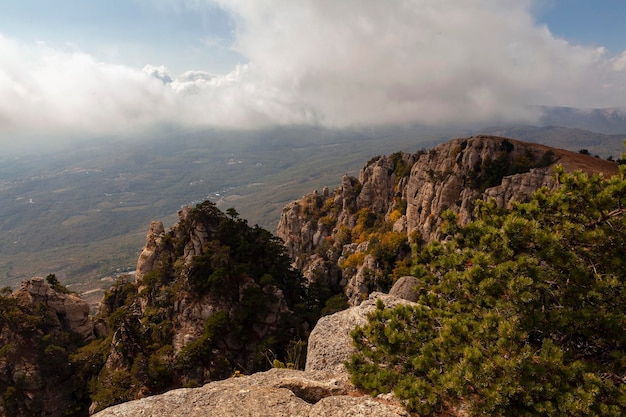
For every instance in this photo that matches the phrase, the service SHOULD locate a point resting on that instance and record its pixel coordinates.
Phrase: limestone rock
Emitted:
(378, 181)
(404, 288)
(356, 287)
(454, 175)
(68, 311)
(348, 406)
(519, 187)
(278, 392)
(149, 254)
(330, 344)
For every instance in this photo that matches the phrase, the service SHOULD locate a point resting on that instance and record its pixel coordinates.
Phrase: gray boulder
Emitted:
(404, 288)
(330, 344)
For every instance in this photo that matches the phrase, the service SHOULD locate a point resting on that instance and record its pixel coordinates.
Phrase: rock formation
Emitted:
(40, 327)
(404, 288)
(338, 239)
(151, 251)
(278, 392)
(211, 295)
(323, 389)
(330, 344)
(68, 312)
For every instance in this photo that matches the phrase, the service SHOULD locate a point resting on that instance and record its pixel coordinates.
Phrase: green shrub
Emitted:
(522, 312)
(337, 302)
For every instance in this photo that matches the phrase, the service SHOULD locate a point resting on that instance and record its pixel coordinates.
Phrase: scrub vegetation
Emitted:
(521, 312)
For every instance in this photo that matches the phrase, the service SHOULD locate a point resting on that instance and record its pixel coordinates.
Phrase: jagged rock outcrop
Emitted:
(191, 237)
(406, 194)
(211, 295)
(323, 389)
(151, 251)
(456, 174)
(40, 328)
(67, 312)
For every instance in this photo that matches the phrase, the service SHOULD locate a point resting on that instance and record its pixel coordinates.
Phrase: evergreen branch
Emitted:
(606, 218)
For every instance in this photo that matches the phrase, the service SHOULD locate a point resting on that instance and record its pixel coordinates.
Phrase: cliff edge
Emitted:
(359, 237)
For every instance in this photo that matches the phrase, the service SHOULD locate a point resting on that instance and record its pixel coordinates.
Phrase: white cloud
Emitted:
(619, 62)
(159, 73)
(336, 63)
(431, 61)
(49, 91)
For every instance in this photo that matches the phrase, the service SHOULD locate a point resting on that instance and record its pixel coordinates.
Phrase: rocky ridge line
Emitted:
(409, 192)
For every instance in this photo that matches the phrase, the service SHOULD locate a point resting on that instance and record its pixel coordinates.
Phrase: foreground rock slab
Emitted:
(278, 392)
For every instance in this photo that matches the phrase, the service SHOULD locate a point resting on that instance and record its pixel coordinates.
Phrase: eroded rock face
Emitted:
(410, 191)
(454, 175)
(68, 312)
(150, 253)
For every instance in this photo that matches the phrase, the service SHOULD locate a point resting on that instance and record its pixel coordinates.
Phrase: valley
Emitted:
(83, 213)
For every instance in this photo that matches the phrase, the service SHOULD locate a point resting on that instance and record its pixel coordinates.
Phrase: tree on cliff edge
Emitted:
(522, 312)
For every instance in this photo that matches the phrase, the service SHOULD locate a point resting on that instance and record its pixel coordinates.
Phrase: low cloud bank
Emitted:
(321, 62)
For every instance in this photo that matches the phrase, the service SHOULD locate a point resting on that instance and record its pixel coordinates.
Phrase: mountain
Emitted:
(603, 145)
(359, 237)
(611, 120)
(213, 297)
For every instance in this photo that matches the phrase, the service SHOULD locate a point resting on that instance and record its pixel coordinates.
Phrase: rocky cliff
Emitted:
(41, 325)
(207, 340)
(211, 296)
(359, 236)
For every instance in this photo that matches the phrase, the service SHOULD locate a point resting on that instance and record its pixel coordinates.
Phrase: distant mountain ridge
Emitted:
(610, 120)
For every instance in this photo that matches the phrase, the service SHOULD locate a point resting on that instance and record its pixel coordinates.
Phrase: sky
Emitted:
(86, 69)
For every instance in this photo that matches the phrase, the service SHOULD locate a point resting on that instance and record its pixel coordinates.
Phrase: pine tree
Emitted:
(521, 313)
